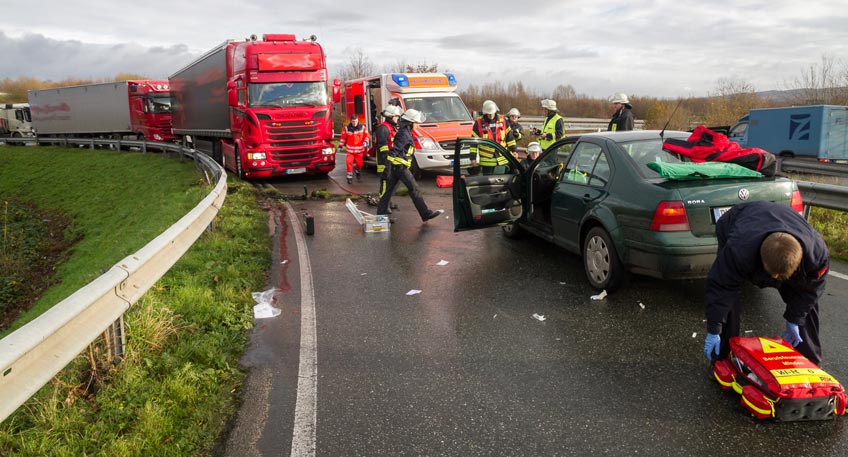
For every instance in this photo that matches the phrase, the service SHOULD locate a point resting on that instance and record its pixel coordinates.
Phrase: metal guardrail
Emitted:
(824, 195)
(815, 168)
(33, 354)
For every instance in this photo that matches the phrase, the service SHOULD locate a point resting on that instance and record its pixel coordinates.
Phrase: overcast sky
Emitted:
(664, 48)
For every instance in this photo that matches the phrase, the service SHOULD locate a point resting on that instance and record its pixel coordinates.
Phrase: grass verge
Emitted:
(174, 392)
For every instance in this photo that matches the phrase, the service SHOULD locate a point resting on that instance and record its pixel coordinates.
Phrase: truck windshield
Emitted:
(159, 103)
(439, 109)
(287, 94)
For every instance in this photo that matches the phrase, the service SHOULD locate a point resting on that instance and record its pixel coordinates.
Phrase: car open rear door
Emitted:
(485, 200)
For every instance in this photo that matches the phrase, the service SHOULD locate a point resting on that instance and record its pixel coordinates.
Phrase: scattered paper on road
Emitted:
(600, 296)
(284, 262)
(413, 292)
(694, 334)
(263, 308)
(562, 283)
(442, 263)
(538, 317)
(641, 305)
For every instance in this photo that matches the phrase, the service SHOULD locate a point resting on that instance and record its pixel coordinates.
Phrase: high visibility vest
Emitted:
(496, 131)
(383, 149)
(354, 138)
(550, 127)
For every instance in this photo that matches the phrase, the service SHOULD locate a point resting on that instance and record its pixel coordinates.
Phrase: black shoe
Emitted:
(433, 214)
(358, 175)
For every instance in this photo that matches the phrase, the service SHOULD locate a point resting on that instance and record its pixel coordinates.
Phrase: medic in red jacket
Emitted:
(355, 139)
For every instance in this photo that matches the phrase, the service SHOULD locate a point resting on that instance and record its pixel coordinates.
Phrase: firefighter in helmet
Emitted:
(513, 116)
(400, 158)
(383, 136)
(553, 128)
(492, 126)
(622, 118)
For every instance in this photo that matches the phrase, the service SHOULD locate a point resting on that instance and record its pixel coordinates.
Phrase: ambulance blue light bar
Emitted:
(451, 79)
(400, 80)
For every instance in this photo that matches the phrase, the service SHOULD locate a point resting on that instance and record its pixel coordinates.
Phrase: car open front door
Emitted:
(485, 200)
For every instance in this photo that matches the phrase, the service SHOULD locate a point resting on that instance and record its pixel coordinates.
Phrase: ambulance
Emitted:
(434, 94)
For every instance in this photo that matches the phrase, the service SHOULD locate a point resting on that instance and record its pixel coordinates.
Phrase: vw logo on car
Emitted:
(744, 194)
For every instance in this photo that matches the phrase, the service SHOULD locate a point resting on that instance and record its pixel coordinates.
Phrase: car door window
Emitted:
(601, 173)
(580, 165)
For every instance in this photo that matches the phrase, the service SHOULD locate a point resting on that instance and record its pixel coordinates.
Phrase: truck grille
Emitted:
(293, 142)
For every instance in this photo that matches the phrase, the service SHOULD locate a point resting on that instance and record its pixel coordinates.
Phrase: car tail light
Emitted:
(670, 217)
(797, 203)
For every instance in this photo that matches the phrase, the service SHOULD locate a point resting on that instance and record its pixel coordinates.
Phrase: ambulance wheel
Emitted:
(415, 169)
(239, 168)
(600, 260)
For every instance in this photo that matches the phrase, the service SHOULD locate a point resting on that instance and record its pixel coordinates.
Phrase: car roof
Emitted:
(636, 135)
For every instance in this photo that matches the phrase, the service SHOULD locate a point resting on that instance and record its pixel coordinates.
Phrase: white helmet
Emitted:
(514, 112)
(619, 97)
(533, 147)
(391, 111)
(549, 105)
(414, 116)
(489, 107)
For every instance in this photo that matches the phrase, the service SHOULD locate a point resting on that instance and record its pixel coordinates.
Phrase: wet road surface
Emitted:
(463, 368)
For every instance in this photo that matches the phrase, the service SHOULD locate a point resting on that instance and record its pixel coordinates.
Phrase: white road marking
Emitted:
(303, 436)
(838, 275)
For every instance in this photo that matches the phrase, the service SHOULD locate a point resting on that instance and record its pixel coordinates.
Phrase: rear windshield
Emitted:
(644, 151)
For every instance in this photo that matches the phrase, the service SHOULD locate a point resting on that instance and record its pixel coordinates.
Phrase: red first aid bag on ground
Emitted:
(777, 382)
(444, 181)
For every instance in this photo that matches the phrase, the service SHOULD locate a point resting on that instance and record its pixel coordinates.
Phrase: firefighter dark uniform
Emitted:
(495, 129)
(383, 137)
(400, 157)
(740, 233)
(622, 119)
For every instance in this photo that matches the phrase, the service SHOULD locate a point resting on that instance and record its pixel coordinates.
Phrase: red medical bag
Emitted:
(777, 382)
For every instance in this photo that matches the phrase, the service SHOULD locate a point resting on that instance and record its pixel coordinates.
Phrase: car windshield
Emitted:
(644, 151)
(287, 94)
(159, 104)
(439, 109)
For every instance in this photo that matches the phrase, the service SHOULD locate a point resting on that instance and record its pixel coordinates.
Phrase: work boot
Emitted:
(433, 214)
(350, 178)
(358, 174)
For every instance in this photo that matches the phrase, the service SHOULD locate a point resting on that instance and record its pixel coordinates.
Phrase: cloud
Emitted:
(37, 56)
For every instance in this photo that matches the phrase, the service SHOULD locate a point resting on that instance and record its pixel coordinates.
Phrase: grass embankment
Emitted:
(830, 223)
(174, 391)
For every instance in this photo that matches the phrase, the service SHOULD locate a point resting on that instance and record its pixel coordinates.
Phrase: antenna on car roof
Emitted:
(662, 132)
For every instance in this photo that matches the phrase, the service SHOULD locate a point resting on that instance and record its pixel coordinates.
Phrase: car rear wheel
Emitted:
(600, 260)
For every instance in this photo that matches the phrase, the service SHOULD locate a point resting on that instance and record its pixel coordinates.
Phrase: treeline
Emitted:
(15, 90)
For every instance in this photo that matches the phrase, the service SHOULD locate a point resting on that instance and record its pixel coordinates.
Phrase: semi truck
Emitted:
(818, 131)
(132, 110)
(15, 120)
(434, 94)
(258, 107)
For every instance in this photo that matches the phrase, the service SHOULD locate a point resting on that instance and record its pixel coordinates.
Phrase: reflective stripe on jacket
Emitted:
(354, 139)
(383, 137)
(403, 148)
(496, 130)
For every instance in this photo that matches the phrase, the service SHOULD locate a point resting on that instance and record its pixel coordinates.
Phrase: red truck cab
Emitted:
(150, 109)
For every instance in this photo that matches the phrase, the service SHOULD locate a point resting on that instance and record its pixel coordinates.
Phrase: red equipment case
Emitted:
(777, 382)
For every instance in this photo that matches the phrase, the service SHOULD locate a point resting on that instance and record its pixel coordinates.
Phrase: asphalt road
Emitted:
(463, 369)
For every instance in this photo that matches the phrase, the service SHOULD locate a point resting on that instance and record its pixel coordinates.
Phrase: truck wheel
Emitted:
(17, 135)
(239, 168)
(415, 169)
(601, 262)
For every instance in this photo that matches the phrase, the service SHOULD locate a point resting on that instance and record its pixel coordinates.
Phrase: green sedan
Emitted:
(602, 196)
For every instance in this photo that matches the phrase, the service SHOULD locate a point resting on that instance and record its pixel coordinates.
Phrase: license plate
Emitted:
(295, 171)
(718, 212)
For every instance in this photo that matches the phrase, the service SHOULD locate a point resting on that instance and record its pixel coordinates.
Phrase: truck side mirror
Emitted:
(232, 94)
(337, 91)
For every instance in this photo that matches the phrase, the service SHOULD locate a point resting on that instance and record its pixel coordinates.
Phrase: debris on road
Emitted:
(538, 317)
(600, 296)
(413, 292)
(641, 305)
(263, 309)
(442, 263)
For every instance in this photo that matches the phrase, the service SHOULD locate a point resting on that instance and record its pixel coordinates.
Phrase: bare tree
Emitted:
(733, 98)
(823, 83)
(358, 66)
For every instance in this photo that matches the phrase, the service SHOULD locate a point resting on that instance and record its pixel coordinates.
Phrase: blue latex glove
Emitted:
(791, 334)
(712, 344)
